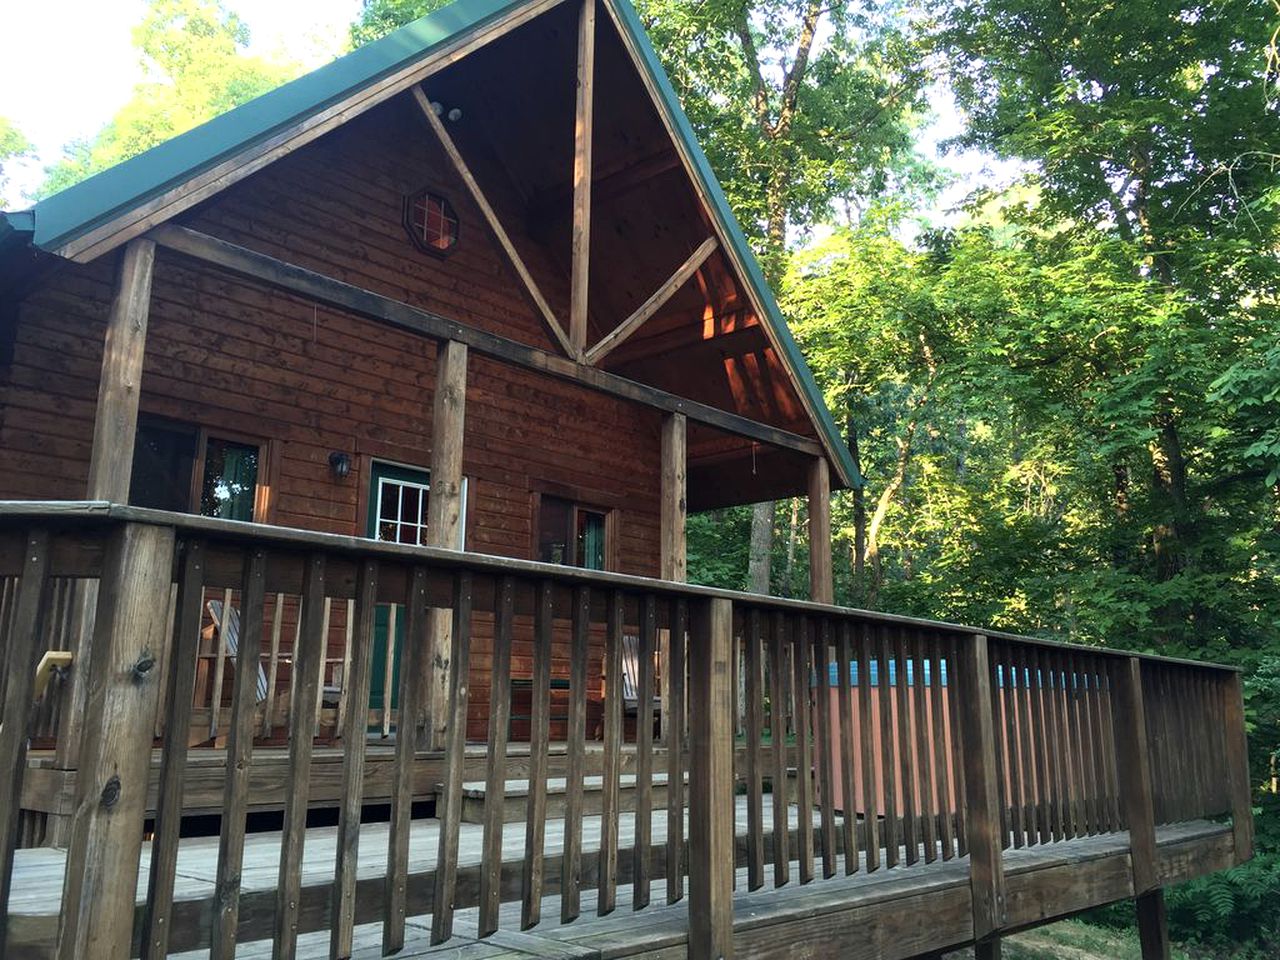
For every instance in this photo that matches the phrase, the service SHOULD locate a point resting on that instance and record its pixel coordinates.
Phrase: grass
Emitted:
(1073, 940)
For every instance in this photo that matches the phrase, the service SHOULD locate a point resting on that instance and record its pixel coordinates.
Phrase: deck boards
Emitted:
(767, 916)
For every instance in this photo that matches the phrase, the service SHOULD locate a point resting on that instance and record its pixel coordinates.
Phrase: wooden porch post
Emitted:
(982, 804)
(1153, 926)
(711, 843)
(582, 139)
(673, 549)
(1133, 763)
(821, 579)
(444, 521)
(110, 470)
(1238, 767)
(130, 639)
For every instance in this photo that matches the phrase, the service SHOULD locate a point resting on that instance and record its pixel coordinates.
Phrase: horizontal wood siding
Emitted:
(227, 354)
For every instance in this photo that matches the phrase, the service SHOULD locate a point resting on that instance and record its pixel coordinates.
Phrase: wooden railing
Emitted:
(868, 741)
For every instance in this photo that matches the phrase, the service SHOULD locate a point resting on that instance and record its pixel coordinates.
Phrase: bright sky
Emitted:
(69, 65)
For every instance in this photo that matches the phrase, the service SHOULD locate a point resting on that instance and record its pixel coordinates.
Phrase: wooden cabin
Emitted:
(385, 395)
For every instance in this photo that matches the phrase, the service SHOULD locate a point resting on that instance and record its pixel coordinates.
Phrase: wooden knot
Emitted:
(144, 665)
(111, 792)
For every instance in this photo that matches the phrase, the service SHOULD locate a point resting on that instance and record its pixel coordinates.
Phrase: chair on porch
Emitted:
(631, 678)
(230, 631)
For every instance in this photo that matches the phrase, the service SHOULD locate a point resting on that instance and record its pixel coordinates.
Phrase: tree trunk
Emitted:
(789, 577)
(761, 547)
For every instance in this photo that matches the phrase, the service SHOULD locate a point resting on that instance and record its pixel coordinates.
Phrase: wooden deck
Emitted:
(863, 914)
(1001, 781)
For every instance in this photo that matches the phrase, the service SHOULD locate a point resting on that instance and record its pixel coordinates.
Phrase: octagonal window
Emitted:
(431, 222)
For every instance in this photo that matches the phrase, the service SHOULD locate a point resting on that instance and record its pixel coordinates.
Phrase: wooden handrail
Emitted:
(945, 741)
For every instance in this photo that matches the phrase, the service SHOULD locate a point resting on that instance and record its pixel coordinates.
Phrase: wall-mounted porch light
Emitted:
(340, 464)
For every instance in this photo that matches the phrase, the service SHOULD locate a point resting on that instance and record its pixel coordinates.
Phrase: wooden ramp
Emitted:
(874, 914)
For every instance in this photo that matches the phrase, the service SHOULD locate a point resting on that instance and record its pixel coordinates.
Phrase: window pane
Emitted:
(590, 536)
(553, 530)
(230, 483)
(389, 503)
(163, 458)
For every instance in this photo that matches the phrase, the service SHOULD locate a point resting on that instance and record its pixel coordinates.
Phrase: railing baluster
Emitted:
(609, 802)
(1036, 690)
(847, 740)
(273, 667)
(22, 654)
(235, 794)
(450, 806)
(676, 744)
(183, 656)
(755, 735)
(1057, 746)
(412, 652)
(867, 751)
(220, 654)
(802, 653)
(941, 758)
(957, 756)
(924, 755)
(389, 667)
(822, 709)
(1104, 750)
(354, 740)
(495, 794)
(535, 827)
(778, 738)
(888, 749)
(906, 760)
(640, 874)
(301, 741)
(571, 865)
(1014, 728)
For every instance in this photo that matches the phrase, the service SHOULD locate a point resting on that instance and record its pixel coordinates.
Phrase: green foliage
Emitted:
(13, 146)
(380, 17)
(193, 55)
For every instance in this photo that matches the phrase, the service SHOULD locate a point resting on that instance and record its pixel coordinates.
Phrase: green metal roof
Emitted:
(75, 211)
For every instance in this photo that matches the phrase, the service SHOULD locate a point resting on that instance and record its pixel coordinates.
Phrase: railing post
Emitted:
(982, 803)
(711, 810)
(129, 640)
(1133, 763)
(1238, 767)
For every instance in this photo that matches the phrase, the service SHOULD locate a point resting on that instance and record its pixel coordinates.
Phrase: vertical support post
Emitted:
(116, 419)
(115, 428)
(1153, 926)
(711, 811)
(982, 804)
(445, 522)
(130, 638)
(1238, 767)
(672, 557)
(1132, 760)
(582, 137)
(821, 582)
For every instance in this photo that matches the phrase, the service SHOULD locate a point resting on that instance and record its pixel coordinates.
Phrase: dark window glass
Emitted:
(230, 484)
(163, 458)
(571, 534)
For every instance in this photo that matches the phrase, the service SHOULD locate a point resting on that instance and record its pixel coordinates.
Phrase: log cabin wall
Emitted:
(234, 356)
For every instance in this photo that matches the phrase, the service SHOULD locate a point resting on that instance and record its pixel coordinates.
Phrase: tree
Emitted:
(13, 146)
(193, 55)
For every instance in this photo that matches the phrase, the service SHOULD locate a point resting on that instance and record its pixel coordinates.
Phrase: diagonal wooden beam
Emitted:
(654, 303)
(582, 137)
(495, 225)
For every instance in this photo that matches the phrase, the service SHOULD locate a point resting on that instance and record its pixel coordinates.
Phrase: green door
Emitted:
(397, 514)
